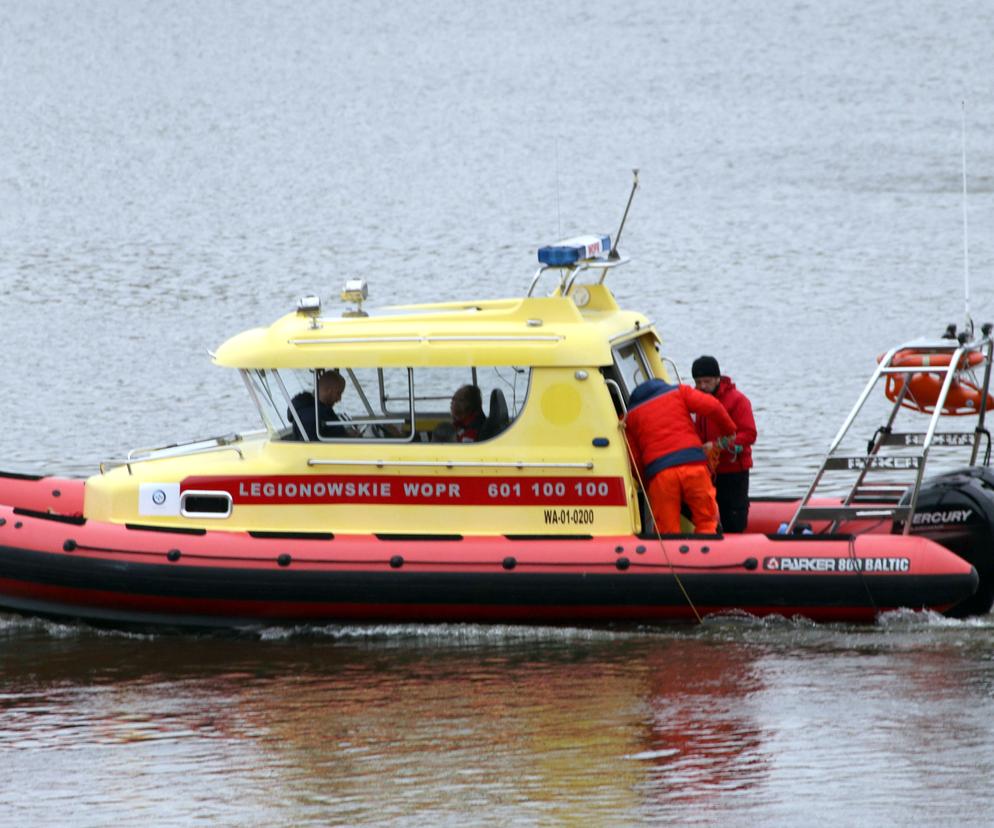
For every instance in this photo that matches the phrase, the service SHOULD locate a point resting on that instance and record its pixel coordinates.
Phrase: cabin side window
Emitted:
(389, 404)
(352, 405)
(468, 405)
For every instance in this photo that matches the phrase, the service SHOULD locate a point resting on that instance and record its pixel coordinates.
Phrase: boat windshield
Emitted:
(398, 405)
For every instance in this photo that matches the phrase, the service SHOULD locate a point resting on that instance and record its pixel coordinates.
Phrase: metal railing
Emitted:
(450, 464)
(206, 445)
(889, 499)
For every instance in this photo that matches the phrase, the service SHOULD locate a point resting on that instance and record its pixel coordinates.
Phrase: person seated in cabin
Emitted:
(330, 387)
(669, 456)
(444, 432)
(467, 414)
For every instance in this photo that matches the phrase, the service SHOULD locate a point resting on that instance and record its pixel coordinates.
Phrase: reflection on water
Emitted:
(701, 743)
(432, 725)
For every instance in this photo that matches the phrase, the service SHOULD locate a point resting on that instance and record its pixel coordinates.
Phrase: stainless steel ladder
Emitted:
(869, 500)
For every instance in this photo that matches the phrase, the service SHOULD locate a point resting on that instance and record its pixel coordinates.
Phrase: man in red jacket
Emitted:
(669, 455)
(732, 472)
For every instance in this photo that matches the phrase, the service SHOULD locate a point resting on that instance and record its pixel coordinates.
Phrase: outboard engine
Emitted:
(956, 510)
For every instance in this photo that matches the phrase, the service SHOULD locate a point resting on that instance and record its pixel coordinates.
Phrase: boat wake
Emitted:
(733, 626)
(446, 635)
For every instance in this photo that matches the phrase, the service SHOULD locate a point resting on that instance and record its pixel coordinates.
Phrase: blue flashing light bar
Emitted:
(576, 249)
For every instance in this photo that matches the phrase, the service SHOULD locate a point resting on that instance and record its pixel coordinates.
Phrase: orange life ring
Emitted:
(926, 358)
(964, 398)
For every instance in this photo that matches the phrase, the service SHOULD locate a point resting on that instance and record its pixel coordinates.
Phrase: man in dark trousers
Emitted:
(732, 471)
(668, 453)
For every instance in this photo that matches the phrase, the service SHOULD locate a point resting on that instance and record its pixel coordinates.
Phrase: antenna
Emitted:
(559, 214)
(635, 185)
(968, 326)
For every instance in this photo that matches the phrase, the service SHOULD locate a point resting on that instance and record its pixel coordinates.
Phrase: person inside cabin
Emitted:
(444, 432)
(732, 465)
(330, 387)
(668, 454)
(467, 414)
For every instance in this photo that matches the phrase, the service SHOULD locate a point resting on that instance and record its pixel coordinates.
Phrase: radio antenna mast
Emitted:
(614, 254)
(968, 325)
(559, 214)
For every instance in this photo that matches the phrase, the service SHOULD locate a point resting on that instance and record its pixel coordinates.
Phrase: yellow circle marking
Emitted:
(561, 404)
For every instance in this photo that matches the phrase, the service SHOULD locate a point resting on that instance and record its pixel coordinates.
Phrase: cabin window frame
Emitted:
(262, 395)
(374, 420)
(386, 399)
(621, 377)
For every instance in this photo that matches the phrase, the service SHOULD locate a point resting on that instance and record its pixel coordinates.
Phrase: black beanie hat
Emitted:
(705, 366)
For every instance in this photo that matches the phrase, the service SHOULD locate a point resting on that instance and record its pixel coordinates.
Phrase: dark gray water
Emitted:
(737, 723)
(173, 173)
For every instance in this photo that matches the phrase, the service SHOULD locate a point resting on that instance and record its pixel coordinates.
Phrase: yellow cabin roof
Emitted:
(533, 331)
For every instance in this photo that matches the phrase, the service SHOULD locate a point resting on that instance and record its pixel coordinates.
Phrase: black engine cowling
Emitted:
(956, 510)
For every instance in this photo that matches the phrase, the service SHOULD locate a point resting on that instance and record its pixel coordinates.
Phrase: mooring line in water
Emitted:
(859, 571)
(655, 528)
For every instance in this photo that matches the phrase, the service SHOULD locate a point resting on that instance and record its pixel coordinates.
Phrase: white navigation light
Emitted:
(309, 306)
(577, 249)
(355, 291)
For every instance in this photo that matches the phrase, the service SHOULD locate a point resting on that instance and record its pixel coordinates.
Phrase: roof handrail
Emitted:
(568, 273)
(220, 440)
(538, 275)
(603, 264)
(130, 461)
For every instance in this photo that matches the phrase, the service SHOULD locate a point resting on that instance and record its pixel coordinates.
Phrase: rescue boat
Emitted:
(368, 515)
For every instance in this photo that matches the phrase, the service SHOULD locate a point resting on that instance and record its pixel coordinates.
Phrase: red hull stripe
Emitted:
(415, 490)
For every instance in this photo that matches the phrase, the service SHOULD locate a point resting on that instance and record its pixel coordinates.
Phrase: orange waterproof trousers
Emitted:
(683, 484)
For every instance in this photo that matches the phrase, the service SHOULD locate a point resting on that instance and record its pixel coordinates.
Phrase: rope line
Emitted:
(859, 571)
(655, 528)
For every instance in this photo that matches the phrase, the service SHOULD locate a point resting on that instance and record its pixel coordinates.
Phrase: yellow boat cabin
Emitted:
(494, 417)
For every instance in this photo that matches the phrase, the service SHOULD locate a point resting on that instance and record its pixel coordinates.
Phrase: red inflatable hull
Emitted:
(56, 563)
